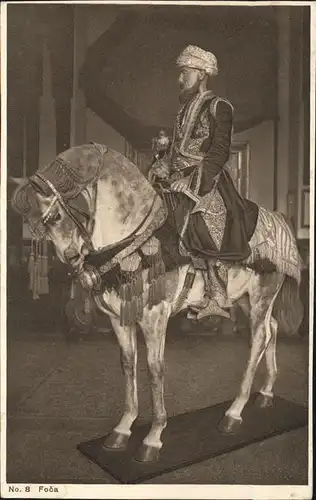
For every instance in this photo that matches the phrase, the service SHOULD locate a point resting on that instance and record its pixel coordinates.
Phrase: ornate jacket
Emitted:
(199, 152)
(202, 138)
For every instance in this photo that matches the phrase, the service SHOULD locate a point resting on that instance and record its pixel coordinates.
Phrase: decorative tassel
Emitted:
(131, 296)
(156, 272)
(31, 266)
(40, 266)
(72, 289)
(45, 257)
(44, 267)
(35, 273)
(156, 280)
(87, 308)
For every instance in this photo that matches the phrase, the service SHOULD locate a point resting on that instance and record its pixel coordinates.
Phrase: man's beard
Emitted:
(186, 93)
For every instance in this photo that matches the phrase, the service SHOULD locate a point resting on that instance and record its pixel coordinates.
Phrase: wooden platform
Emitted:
(193, 437)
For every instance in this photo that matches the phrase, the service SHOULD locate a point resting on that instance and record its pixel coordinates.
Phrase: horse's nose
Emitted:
(71, 255)
(85, 250)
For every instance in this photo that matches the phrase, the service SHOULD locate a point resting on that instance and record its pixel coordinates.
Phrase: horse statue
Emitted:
(110, 226)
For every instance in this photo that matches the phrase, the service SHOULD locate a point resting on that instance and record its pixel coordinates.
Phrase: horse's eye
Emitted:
(52, 218)
(56, 217)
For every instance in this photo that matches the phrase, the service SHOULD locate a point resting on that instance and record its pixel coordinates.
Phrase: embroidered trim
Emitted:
(131, 291)
(192, 114)
(273, 240)
(156, 272)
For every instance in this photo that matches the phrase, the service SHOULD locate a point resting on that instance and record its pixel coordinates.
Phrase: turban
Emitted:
(197, 58)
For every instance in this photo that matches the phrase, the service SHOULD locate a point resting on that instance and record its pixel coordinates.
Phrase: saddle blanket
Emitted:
(275, 241)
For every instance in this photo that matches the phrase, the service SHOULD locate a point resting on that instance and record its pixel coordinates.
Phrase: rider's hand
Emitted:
(160, 169)
(179, 185)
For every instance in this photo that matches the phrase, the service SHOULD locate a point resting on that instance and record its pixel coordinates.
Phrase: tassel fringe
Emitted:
(156, 273)
(264, 251)
(156, 280)
(131, 295)
(38, 268)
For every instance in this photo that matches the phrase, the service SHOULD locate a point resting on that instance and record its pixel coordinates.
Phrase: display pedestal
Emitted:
(193, 437)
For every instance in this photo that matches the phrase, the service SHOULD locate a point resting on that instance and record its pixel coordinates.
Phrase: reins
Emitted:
(84, 232)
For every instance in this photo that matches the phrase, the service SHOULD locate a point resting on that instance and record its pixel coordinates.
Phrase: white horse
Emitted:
(91, 198)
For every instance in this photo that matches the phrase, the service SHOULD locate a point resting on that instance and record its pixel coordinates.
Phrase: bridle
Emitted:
(84, 232)
(87, 233)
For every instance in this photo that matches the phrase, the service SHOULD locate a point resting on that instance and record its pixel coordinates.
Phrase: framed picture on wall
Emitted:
(238, 166)
(305, 208)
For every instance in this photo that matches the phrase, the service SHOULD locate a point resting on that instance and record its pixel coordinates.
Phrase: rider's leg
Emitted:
(215, 296)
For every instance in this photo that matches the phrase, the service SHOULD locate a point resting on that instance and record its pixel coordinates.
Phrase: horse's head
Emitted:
(67, 223)
(59, 200)
(88, 193)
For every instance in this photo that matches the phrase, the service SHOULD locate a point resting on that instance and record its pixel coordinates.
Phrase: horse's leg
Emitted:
(154, 325)
(244, 304)
(262, 293)
(265, 397)
(126, 336)
(288, 302)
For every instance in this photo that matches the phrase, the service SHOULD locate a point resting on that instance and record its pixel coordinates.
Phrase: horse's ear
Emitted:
(18, 181)
(40, 187)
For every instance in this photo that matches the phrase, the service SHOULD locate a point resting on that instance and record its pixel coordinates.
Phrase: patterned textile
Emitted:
(218, 280)
(210, 216)
(213, 212)
(73, 169)
(274, 241)
(195, 57)
(192, 129)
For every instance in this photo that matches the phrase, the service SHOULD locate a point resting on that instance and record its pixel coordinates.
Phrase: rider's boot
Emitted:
(215, 301)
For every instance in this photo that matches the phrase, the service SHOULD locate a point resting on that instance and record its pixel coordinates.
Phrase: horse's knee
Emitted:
(156, 370)
(128, 362)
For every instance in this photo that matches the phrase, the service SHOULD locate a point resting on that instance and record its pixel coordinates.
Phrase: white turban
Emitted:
(194, 57)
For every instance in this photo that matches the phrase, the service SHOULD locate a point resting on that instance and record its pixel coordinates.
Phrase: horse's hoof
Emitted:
(229, 425)
(147, 454)
(264, 400)
(116, 441)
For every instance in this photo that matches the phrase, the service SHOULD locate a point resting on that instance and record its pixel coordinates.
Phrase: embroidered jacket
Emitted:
(202, 137)
(199, 152)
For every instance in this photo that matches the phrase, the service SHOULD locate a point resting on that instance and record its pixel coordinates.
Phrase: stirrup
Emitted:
(212, 308)
(200, 304)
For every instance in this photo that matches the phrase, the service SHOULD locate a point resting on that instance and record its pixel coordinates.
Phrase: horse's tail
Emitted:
(288, 308)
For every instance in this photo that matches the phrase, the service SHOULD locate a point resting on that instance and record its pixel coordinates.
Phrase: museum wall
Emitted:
(262, 162)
